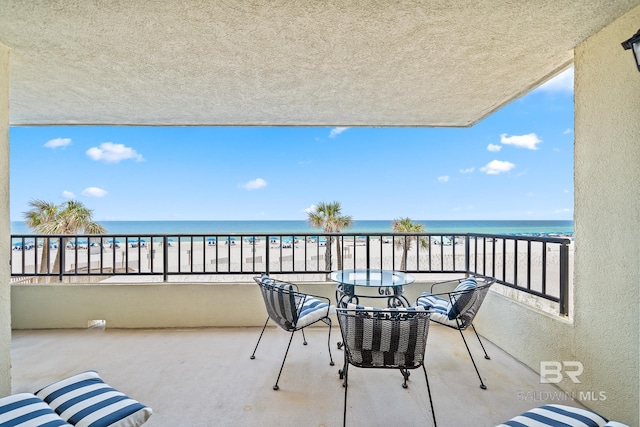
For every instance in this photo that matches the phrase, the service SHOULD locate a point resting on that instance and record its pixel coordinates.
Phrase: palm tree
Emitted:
(70, 217)
(328, 217)
(406, 225)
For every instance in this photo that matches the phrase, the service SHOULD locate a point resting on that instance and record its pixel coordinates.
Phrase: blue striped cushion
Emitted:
(266, 279)
(439, 307)
(26, 409)
(85, 400)
(442, 309)
(557, 415)
(313, 310)
(462, 302)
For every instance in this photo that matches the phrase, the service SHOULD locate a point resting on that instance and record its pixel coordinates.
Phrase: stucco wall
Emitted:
(603, 335)
(607, 217)
(5, 300)
(136, 306)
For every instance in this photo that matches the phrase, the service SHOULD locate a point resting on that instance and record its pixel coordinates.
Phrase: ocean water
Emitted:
(541, 227)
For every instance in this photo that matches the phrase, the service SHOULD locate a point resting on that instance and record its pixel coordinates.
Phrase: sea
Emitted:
(509, 227)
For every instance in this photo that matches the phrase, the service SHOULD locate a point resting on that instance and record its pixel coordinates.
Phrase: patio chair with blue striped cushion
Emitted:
(293, 311)
(457, 308)
(394, 338)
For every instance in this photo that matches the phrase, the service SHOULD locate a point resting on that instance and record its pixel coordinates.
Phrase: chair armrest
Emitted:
(282, 282)
(451, 283)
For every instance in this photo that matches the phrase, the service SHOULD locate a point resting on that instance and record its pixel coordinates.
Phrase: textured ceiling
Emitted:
(286, 62)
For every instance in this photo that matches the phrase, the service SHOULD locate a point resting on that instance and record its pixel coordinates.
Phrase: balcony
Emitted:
(196, 370)
(204, 377)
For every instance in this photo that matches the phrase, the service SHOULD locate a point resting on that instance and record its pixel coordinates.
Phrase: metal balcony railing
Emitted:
(535, 265)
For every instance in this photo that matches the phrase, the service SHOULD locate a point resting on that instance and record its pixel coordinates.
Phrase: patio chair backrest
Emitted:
(281, 300)
(466, 303)
(394, 338)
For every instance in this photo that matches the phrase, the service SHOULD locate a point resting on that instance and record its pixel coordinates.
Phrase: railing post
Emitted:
(467, 254)
(564, 279)
(165, 257)
(266, 255)
(368, 252)
(61, 251)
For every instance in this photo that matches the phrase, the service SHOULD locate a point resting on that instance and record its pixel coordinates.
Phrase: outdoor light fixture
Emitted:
(634, 44)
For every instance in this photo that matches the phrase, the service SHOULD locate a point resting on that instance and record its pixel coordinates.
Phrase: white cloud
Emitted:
(336, 131)
(444, 178)
(113, 153)
(468, 170)
(565, 210)
(58, 142)
(562, 82)
(567, 131)
(254, 184)
(496, 167)
(310, 209)
(494, 147)
(94, 192)
(68, 195)
(529, 140)
(462, 208)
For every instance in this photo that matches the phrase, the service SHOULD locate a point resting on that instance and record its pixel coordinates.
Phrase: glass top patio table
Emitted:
(371, 277)
(390, 285)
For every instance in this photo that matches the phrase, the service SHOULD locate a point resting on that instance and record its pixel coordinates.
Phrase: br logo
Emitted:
(552, 372)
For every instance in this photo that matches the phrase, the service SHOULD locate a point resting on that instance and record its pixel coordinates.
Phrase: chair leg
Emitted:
(435, 424)
(275, 387)
(304, 339)
(482, 386)
(327, 321)
(405, 375)
(345, 373)
(253, 355)
(345, 364)
(486, 356)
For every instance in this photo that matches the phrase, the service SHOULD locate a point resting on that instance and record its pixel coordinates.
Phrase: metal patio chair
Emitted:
(394, 338)
(456, 309)
(292, 311)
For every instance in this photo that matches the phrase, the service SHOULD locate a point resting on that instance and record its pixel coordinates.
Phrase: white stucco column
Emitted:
(5, 228)
(607, 219)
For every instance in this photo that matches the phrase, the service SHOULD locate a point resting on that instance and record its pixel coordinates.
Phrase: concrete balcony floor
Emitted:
(204, 377)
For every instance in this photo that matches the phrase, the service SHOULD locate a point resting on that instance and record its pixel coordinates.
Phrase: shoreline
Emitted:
(300, 227)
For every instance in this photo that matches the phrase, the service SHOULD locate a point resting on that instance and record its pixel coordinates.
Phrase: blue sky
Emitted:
(515, 164)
